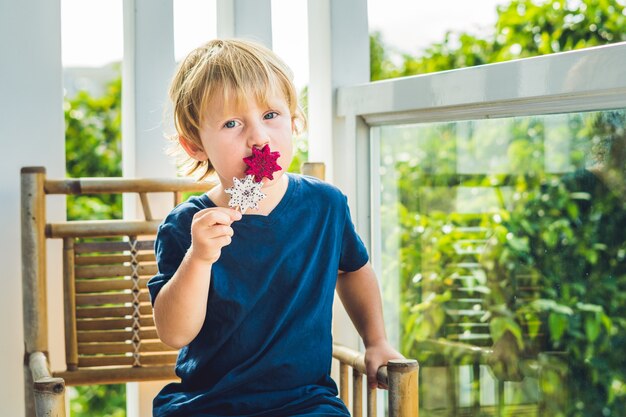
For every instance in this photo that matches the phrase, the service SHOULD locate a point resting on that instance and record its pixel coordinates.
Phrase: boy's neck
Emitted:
(274, 195)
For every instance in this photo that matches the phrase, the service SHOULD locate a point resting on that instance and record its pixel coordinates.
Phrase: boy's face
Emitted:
(228, 134)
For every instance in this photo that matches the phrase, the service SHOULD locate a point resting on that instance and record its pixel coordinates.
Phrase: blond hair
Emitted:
(233, 70)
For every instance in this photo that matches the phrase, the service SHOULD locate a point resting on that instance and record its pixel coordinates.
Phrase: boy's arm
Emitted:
(180, 307)
(360, 295)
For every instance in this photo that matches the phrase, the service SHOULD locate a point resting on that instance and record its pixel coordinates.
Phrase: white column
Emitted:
(148, 67)
(338, 56)
(31, 134)
(251, 19)
(320, 111)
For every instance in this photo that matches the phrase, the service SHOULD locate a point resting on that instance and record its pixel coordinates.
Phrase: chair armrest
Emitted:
(49, 392)
(400, 375)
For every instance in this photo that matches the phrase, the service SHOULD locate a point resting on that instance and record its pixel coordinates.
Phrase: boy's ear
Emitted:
(192, 149)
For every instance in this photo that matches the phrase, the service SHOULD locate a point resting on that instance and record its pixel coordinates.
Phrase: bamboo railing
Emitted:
(401, 376)
(110, 336)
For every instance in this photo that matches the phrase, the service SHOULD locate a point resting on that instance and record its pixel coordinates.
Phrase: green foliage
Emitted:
(534, 261)
(301, 140)
(98, 401)
(524, 28)
(93, 133)
(93, 148)
(547, 279)
(574, 227)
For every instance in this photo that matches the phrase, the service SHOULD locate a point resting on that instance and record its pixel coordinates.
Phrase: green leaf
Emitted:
(499, 325)
(543, 304)
(519, 244)
(594, 308)
(592, 327)
(558, 324)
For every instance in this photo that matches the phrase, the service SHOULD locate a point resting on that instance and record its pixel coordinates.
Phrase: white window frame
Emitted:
(590, 79)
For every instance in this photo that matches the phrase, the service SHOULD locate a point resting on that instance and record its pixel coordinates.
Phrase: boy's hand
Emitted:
(377, 355)
(210, 232)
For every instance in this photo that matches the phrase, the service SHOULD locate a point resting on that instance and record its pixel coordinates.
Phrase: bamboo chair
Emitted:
(110, 336)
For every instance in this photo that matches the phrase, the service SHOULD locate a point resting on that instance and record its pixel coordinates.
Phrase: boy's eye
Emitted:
(270, 115)
(230, 124)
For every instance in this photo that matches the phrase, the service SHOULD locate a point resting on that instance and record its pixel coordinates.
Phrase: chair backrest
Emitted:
(110, 334)
(108, 317)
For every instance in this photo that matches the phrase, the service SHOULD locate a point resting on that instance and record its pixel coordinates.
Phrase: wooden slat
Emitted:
(344, 389)
(102, 312)
(108, 246)
(119, 185)
(314, 169)
(350, 357)
(108, 271)
(115, 336)
(69, 303)
(121, 347)
(113, 324)
(109, 285)
(145, 205)
(114, 298)
(357, 393)
(117, 375)
(112, 259)
(372, 410)
(95, 361)
(101, 228)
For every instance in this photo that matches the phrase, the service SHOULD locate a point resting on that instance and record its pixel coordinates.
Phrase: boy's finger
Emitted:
(218, 215)
(212, 217)
(232, 213)
(223, 240)
(219, 230)
(372, 382)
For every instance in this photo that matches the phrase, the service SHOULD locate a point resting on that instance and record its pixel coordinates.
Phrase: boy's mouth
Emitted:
(262, 163)
(246, 192)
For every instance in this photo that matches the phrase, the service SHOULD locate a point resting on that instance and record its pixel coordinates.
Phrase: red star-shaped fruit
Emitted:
(262, 163)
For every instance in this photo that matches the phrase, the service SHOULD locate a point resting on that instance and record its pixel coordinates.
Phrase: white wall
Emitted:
(31, 133)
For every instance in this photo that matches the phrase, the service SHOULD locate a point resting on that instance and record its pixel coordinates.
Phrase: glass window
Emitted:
(503, 260)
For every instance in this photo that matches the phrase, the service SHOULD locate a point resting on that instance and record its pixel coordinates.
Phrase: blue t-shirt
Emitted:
(265, 347)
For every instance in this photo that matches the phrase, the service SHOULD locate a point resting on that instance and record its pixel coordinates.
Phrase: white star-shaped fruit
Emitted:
(245, 194)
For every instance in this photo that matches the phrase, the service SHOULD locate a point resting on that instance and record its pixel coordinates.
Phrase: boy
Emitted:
(248, 298)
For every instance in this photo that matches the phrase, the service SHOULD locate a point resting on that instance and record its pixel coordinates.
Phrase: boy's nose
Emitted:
(257, 137)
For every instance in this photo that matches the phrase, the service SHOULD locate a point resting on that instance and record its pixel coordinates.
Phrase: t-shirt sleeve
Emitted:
(353, 251)
(172, 241)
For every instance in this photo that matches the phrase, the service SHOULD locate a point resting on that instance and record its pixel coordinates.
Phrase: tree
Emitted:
(524, 28)
(93, 148)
